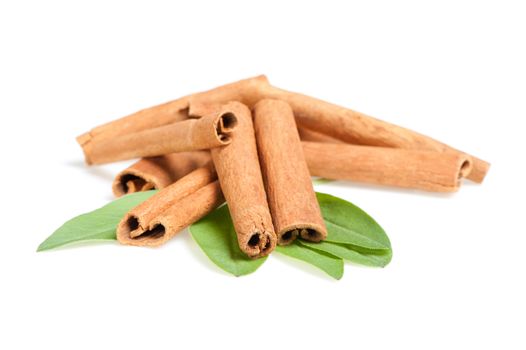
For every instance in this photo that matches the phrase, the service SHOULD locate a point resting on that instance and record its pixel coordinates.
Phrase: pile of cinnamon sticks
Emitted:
(256, 146)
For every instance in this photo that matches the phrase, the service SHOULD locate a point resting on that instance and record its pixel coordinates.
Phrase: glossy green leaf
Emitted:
(97, 225)
(328, 263)
(357, 255)
(217, 238)
(348, 224)
(352, 235)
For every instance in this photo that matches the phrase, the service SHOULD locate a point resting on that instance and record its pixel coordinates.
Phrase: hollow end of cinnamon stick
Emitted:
(155, 233)
(131, 232)
(130, 225)
(167, 213)
(465, 167)
(464, 170)
(131, 183)
(130, 228)
(313, 235)
(225, 124)
(157, 172)
(309, 232)
(287, 237)
(259, 244)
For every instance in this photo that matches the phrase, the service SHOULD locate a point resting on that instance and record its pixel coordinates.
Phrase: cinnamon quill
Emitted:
(314, 114)
(357, 128)
(241, 181)
(157, 172)
(175, 207)
(414, 169)
(351, 126)
(173, 111)
(293, 204)
(189, 135)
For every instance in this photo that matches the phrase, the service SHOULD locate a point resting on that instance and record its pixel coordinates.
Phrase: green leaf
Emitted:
(321, 181)
(357, 255)
(97, 225)
(328, 263)
(352, 235)
(217, 238)
(346, 223)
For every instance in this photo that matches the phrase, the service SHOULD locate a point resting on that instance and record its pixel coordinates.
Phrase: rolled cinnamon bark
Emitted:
(292, 201)
(357, 128)
(241, 181)
(173, 111)
(177, 206)
(335, 121)
(188, 135)
(423, 170)
(157, 172)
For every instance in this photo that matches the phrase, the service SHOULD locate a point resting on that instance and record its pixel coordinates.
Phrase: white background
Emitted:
(453, 70)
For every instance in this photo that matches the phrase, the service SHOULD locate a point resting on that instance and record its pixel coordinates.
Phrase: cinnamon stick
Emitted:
(357, 128)
(350, 126)
(376, 165)
(157, 172)
(188, 135)
(335, 121)
(292, 201)
(175, 207)
(173, 111)
(241, 181)
(423, 170)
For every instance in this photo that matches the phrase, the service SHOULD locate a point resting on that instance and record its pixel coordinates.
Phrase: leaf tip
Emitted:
(338, 276)
(41, 247)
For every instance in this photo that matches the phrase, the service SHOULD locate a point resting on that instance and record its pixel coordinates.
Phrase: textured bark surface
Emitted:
(357, 128)
(292, 201)
(189, 135)
(423, 170)
(157, 172)
(315, 136)
(314, 114)
(241, 181)
(173, 111)
(161, 216)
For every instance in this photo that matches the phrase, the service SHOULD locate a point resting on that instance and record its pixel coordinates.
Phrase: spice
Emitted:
(163, 215)
(292, 201)
(189, 135)
(157, 172)
(424, 170)
(241, 181)
(332, 120)
(171, 112)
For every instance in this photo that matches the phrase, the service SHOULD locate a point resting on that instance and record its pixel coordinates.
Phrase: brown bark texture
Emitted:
(423, 170)
(162, 216)
(157, 172)
(241, 181)
(292, 201)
